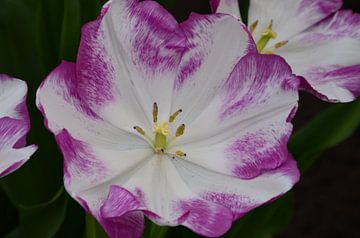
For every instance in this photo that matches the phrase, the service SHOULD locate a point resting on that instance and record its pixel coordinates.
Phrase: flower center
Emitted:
(162, 134)
(266, 35)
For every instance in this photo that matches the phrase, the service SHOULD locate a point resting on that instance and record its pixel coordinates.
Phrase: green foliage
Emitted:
(48, 215)
(329, 128)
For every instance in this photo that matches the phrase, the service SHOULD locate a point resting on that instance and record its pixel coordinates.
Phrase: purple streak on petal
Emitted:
(205, 218)
(342, 24)
(119, 214)
(251, 80)
(323, 7)
(11, 130)
(119, 202)
(94, 70)
(64, 79)
(130, 225)
(12, 168)
(160, 47)
(78, 158)
(347, 78)
(240, 205)
(256, 153)
(199, 33)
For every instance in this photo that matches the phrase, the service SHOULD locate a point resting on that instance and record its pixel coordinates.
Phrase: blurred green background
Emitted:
(35, 35)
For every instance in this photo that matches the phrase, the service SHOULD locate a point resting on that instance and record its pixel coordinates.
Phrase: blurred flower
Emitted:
(14, 125)
(320, 43)
(184, 123)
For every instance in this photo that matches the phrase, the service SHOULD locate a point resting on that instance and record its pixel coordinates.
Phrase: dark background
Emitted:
(327, 199)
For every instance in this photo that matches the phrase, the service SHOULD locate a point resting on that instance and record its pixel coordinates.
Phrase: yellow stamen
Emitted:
(253, 26)
(280, 44)
(180, 153)
(174, 115)
(155, 112)
(180, 130)
(140, 130)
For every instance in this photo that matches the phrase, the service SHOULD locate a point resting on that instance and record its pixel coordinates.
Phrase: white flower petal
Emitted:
(290, 17)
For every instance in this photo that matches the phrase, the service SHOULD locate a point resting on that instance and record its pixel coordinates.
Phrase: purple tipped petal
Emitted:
(290, 17)
(326, 55)
(205, 218)
(119, 216)
(209, 60)
(145, 51)
(14, 125)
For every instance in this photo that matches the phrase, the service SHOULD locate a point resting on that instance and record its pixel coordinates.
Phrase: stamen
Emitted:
(180, 130)
(281, 44)
(155, 112)
(174, 115)
(180, 153)
(140, 130)
(253, 26)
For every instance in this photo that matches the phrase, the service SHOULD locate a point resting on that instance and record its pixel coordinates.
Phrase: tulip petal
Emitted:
(226, 6)
(327, 56)
(238, 195)
(132, 64)
(14, 125)
(11, 156)
(248, 122)
(290, 17)
(215, 45)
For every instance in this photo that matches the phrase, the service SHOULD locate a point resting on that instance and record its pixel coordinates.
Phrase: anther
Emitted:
(174, 115)
(253, 26)
(281, 44)
(139, 130)
(180, 153)
(155, 112)
(180, 130)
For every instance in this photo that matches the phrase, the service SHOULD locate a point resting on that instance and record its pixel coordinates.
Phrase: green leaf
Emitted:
(244, 10)
(42, 220)
(329, 128)
(93, 228)
(154, 231)
(70, 30)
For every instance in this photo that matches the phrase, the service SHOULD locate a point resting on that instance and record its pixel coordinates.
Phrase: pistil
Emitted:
(266, 36)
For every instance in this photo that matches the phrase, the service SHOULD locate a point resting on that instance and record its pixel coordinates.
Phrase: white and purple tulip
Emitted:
(183, 123)
(14, 125)
(319, 41)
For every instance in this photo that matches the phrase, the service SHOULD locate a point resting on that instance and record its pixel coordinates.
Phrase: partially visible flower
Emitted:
(184, 123)
(320, 43)
(14, 125)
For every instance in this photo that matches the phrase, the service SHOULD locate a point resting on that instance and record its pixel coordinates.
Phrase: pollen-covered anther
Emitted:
(139, 130)
(155, 112)
(281, 44)
(174, 115)
(180, 153)
(253, 26)
(180, 130)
